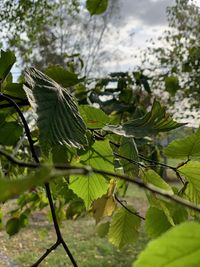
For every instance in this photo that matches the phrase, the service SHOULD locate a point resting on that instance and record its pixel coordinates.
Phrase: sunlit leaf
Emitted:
(96, 7)
(154, 178)
(179, 246)
(58, 118)
(184, 148)
(124, 227)
(191, 172)
(93, 117)
(94, 186)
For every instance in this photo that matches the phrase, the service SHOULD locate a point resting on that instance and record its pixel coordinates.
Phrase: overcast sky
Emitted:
(136, 23)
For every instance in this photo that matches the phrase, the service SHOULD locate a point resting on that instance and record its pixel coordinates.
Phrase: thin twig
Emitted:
(130, 160)
(21, 103)
(157, 163)
(126, 208)
(48, 251)
(67, 170)
(60, 239)
(26, 128)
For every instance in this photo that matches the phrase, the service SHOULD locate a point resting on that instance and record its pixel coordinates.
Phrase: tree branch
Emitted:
(26, 128)
(126, 208)
(21, 103)
(60, 239)
(48, 251)
(87, 170)
(130, 160)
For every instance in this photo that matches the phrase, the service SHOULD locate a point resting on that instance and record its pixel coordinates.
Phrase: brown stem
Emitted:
(86, 170)
(126, 208)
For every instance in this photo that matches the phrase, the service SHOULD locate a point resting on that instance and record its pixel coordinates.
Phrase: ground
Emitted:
(89, 250)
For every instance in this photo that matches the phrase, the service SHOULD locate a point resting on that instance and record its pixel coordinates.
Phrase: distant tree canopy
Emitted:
(54, 32)
(175, 67)
(75, 144)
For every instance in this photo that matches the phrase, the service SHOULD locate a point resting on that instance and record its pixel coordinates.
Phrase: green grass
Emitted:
(87, 247)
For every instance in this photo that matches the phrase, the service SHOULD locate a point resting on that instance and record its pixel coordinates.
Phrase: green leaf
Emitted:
(14, 89)
(7, 60)
(185, 148)
(191, 172)
(58, 119)
(61, 154)
(93, 117)
(88, 188)
(172, 84)
(124, 227)
(10, 133)
(13, 226)
(96, 7)
(180, 246)
(154, 178)
(13, 188)
(156, 222)
(94, 186)
(153, 122)
(179, 213)
(103, 229)
(75, 208)
(62, 76)
(128, 149)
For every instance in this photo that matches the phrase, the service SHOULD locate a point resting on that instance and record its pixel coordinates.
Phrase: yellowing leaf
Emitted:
(103, 207)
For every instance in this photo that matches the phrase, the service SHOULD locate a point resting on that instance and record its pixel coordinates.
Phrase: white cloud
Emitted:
(131, 29)
(148, 12)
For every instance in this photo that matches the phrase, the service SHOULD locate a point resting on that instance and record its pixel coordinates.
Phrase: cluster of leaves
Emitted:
(54, 32)
(177, 65)
(85, 150)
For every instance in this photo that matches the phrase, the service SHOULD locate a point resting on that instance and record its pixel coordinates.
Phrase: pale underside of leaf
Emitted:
(58, 118)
